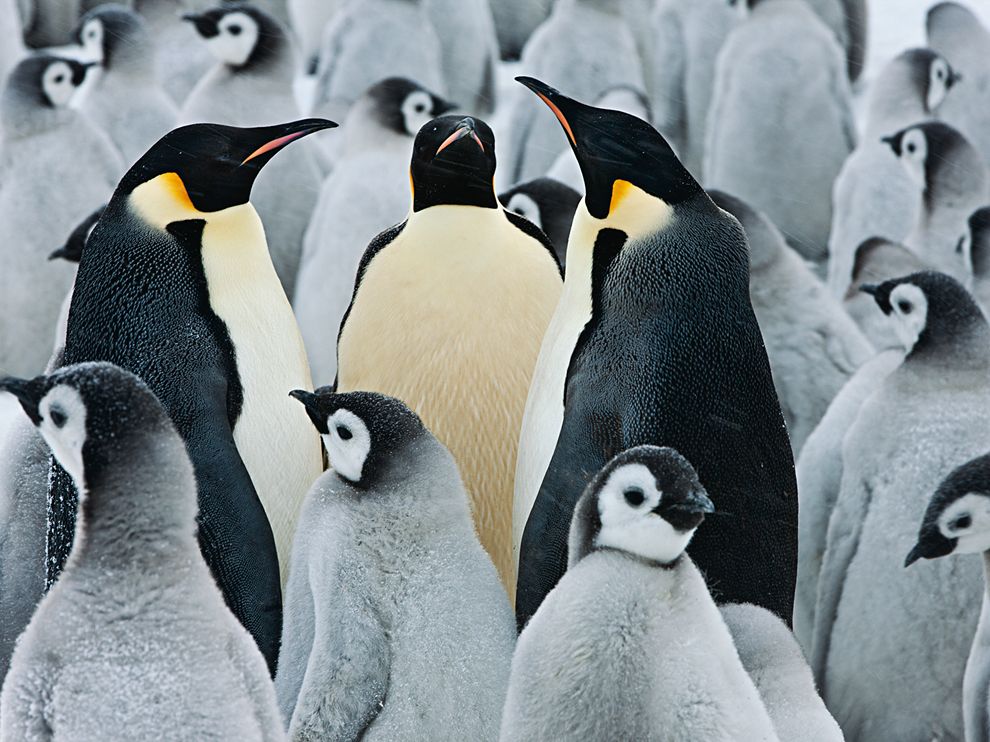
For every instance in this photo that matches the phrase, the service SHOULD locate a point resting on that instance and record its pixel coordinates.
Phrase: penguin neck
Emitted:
(960, 347)
(22, 119)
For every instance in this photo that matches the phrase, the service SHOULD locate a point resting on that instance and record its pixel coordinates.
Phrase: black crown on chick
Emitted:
(612, 147)
(453, 163)
(217, 165)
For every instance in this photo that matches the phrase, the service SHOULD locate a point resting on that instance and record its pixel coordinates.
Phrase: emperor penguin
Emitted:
(176, 285)
(928, 416)
(468, 51)
(953, 181)
(872, 195)
(978, 238)
(396, 626)
(687, 39)
(547, 203)
(369, 40)
(448, 313)
(308, 19)
(367, 192)
(54, 164)
(127, 101)
(784, 164)
(252, 85)
(629, 644)
(655, 315)
(515, 22)
(178, 53)
(71, 251)
(135, 637)
(813, 345)
(955, 31)
(774, 661)
(957, 521)
(588, 46)
(51, 22)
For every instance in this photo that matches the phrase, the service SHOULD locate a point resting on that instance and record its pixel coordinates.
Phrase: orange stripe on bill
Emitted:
(274, 144)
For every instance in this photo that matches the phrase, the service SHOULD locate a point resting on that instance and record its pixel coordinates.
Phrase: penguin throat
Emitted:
(164, 199)
(631, 210)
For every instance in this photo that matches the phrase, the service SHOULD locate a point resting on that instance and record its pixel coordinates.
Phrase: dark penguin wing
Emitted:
(527, 227)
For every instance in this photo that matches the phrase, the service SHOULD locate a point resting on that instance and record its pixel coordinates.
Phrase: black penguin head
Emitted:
(114, 35)
(938, 158)
(615, 151)
(453, 163)
(209, 167)
(240, 35)
(88, 413)
(547, 203)
(403, 106)
(978, 237)
(647, 501)
(957, 519)
(931, 74)
(364, 433)
(931, 311)
(43, 81)
(73, 247)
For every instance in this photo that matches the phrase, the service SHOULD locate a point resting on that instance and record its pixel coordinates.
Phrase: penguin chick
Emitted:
(927, 416)
(631, 623)
(638, 330)
(547, 203)
(873, 195)
(11, 32)
(813, 345)
(250, 85)
(978, 239)
(774, 661)
(955, 31)
(953, 181)
(468, 51)
(367, 192)
(785, 164)
(957, 521)
(71, 251)
(177, 286)
(54, 164)
(396, 626)
(515, 22)
(448, 312)
(135, 637)
(127, 101)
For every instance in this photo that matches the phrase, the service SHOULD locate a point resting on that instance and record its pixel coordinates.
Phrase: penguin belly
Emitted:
(449, 318)
(273, 435)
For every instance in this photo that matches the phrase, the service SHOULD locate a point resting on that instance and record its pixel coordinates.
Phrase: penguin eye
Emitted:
(57, 417)
(905, 306)
(234, 30)
(344, 433)
(959, 245)
(939, 74)
(963, 521)
(634, 496)
(911, 148)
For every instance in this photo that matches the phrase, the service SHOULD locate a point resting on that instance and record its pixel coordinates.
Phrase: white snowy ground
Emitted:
(894, 25)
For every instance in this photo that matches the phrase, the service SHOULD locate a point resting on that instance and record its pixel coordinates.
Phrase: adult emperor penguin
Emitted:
(953, 182)
(549, 204)
(927, 417)
(872, 196)
(774, 661)
(367, 192)
(135, 637)
(955, 31)
(784, 164)
(813, 345)
(54, 166)
(629, 644)
(957, 521)
(448, 313)
(585, 44)
(252, 85)
(688, 37)
(655, 315)
(468, 51)
(176, 285)
(127, 101)
(396, 625)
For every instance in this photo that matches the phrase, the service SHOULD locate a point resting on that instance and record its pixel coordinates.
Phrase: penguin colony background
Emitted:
(495, 370)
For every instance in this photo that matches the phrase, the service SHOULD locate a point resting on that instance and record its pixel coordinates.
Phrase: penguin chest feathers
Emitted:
(273, 435)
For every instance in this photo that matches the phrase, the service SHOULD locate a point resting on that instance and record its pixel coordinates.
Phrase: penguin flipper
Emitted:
(347, 677)
(30, 687)
(259, 690)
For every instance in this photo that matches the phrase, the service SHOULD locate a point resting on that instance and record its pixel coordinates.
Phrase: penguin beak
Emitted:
(311, 402)
(931, 545)
(465, 129)
(558, 103)
(79, 70)
(281, 135)
(29, 393)
(894, 142)
(869, 288)
(65, 253)
(954, 77)
(205, 26)
(687, 513)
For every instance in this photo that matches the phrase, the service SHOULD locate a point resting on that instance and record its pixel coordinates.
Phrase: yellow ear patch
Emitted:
(162, 200)
(173, 186)
(620, 189)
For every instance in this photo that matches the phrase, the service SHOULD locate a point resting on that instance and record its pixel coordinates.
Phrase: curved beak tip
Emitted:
(869, 288)
(913, 556)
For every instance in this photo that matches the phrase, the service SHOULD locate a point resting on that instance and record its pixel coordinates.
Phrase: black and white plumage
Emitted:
(927, 417)
(396, 624)
(547, 203)
(629, 644)
(135, 637)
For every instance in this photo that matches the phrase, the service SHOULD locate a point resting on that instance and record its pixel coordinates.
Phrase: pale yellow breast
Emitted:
(450, 318)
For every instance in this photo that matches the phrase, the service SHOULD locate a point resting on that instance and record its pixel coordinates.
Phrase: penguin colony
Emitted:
(644, 398)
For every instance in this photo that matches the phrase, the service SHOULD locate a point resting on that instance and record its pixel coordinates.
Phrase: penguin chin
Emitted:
(651, 538)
